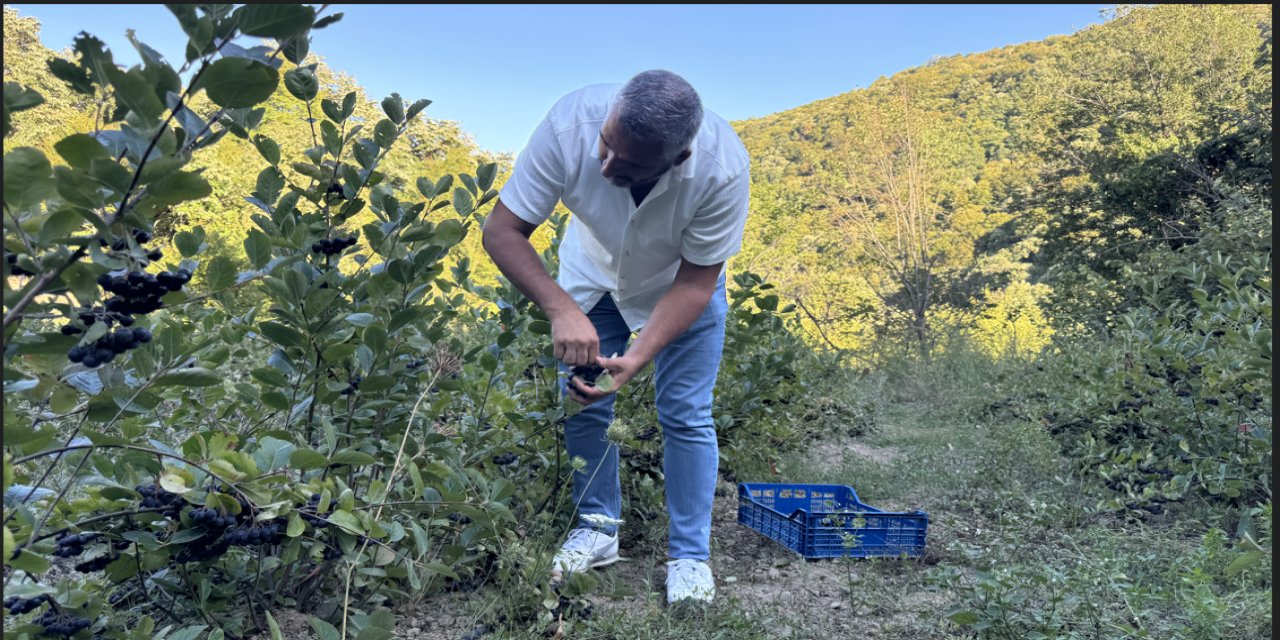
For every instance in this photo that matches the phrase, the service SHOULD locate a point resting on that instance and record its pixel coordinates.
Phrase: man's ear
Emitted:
(683, 155)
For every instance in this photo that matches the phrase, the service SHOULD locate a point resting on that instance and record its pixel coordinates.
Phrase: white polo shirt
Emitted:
(696, 210)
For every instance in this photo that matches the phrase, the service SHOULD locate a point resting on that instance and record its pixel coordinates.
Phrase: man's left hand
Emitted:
(620, 369)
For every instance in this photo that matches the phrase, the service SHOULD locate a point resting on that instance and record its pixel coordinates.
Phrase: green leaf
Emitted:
(79, 149)
(307, 459)
(393, 106)
(296, 48)
(180, 186)
(384, 133)
(352, 458)
(185, 535)
(76, 76)
(270, 377)
(61, 224)
(417, 108)
(331, 110)
(335, 353)
(282, 335)
(346, 521)
(28, 178)
(270, 182)
(485, 175)
(361, 319)
(296, 526)
(278, 21)
(268, 148)
(190, 377)
(27, 561)
(963, 616)
(273, 453)
(271, 622)
(9, 543)
(239, 82)
(323, 629)
(426, 187)
(188, 633)
(257, 246)
(462, 202)
(77, 188)
(449, 232)
(320, 24)
(301, 83)
(1244, 561)
(220, 274)
(188, 243)
(134, 92)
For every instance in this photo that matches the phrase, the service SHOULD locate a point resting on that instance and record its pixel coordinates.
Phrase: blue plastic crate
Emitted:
(813, 520)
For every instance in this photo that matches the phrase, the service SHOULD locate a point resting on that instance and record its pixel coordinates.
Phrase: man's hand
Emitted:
(574, 338)
(620, 370)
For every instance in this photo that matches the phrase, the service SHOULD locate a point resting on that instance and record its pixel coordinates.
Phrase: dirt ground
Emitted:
(788, 595)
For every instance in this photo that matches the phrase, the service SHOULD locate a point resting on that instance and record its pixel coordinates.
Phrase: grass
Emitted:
(1015, 548)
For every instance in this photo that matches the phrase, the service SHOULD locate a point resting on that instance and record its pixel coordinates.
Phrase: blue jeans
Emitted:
(685, 376)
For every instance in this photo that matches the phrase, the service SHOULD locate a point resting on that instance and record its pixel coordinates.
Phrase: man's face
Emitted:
(627, 163)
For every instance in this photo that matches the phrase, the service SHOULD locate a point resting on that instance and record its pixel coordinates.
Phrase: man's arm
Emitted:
(506, 240)
(675, 313)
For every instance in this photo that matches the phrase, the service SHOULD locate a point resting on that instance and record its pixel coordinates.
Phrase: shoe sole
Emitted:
(556, 575)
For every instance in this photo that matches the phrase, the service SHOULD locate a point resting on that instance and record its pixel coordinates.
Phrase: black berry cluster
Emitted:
(106, 348)
(352, 386)
(139, 292)
(96, 564)
(332, 553)
(202, 549)
(18, 606)
(72, 545)
(504, 459)
(139, 236)
(61, 624)
(14, 269)
(414, 364)
(154, 497)
(212, 518)
(588, 373)
(310, 513)
(334, 246)
(253, 536)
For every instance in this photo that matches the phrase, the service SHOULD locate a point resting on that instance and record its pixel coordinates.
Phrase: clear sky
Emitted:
(497, 68)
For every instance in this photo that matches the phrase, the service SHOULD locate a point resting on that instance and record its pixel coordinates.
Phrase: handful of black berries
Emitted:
(588, 373)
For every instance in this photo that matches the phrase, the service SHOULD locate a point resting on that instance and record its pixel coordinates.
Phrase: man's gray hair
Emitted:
(660, 106)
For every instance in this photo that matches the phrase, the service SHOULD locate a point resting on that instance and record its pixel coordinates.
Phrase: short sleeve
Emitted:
(715, 233)
(538, 178)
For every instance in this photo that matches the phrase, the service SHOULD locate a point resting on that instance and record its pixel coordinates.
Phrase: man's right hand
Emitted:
(574, 338)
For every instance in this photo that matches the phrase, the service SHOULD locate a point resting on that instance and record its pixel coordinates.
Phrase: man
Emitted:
(658, 191)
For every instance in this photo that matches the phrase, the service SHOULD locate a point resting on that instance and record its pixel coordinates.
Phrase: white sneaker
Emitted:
(585, 549)
(689, 580)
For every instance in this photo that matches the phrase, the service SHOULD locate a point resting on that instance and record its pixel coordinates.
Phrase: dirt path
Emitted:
(786, 594)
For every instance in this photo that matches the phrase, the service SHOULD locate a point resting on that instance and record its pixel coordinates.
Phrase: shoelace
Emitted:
(580, 542)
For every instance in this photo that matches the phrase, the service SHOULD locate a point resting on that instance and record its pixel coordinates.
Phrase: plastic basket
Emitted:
(828, 521)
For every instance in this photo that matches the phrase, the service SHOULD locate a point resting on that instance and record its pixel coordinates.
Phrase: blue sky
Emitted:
(497, 68)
